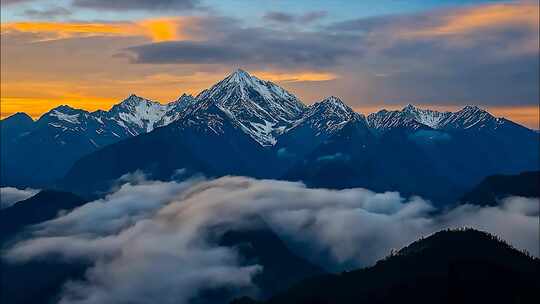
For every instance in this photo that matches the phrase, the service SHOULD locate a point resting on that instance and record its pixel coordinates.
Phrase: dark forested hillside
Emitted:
(465, 266)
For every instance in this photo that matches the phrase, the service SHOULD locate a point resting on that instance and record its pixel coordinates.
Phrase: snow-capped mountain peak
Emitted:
(384, 120)
(241, 86)
(327, 116)
(332, 106)
(409, 108)
(180, 99)
(471, 116)
(64, 114)
(133, 101)
(176, 109)
(426, 117)
(137, 114)
(239, 76)
(260, 108)
(472, 108)
(335, 102)
(410, 117)
(413, 118)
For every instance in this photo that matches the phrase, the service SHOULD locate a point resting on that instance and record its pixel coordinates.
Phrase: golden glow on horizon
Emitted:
(159, 29)
(35, 107)
(295, 77)
(527, 115)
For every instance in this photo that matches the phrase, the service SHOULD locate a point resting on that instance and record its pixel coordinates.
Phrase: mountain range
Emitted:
(64, 134)
(247, 126)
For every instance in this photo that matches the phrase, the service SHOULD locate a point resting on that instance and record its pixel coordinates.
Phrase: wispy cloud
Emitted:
(288, 18)
(11, 195)
(48, 13)
(151, 5)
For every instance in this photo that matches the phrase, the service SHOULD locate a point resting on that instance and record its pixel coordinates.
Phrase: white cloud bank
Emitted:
(148, 241)
(11, 195)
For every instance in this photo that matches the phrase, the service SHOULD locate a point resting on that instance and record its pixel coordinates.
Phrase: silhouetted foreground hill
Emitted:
(496, 187)
(43, 206)
(465, 266)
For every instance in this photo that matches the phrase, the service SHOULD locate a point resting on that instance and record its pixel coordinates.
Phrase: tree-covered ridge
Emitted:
(450, 266)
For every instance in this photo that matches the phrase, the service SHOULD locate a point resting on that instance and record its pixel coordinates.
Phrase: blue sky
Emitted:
(251, 10)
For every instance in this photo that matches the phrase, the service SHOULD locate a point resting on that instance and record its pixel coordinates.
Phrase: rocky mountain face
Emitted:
(260, 108)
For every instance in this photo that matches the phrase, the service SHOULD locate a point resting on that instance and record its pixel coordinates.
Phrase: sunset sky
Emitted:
(373, 54)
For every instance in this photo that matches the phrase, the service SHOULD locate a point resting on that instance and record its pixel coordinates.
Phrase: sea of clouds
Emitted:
(148, 241)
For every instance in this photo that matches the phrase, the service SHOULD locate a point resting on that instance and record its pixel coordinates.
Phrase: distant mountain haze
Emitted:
(497, 187)
(247, 126)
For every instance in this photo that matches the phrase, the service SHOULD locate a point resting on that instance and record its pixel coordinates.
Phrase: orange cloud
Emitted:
(482, 17)
(305, 76)
(163, 29)
(160, 29)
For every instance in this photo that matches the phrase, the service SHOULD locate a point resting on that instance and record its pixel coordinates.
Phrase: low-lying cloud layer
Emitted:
(149, 241)
(11, 195)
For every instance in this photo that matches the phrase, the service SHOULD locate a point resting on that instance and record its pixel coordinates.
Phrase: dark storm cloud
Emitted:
(282, 17)
(137, 4)
(253, 47)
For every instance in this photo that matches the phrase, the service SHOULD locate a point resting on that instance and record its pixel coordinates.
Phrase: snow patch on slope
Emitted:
(73, 119)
